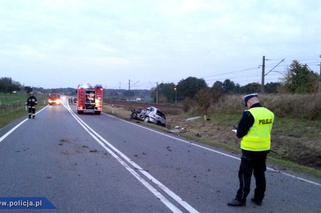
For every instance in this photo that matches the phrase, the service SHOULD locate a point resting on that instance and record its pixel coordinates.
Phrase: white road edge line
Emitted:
(215, 151)
(105, 143)
(164, 200)
(17, 126)
(145, 173)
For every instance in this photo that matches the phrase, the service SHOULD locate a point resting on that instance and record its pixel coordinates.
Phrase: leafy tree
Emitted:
(250, 88)
(217, 91)
(7, 85)
(28, 89)
(189, 87)
(168, 91)
(204, 100)
(218, 86)
(237, 88)
(271, 87)
(301, 79)
(228, 86)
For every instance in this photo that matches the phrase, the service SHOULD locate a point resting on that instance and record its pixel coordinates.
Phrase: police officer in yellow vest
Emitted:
(255, 130)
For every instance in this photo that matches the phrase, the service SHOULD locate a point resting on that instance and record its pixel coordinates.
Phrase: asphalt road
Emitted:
(99, 163)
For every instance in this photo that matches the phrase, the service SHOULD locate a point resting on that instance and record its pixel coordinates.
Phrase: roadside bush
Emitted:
(229, 104)
(188, 104)
(204, 100)
(296, 106)
(170, 110)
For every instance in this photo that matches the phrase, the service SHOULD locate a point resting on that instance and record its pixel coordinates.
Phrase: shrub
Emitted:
(188, 104)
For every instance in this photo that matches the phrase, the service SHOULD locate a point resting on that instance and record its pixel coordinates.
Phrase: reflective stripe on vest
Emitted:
(259, 136)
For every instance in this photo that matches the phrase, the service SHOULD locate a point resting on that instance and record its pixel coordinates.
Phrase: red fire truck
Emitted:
(90, 99)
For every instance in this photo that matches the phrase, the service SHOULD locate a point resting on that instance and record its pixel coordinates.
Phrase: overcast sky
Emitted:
(62, 43)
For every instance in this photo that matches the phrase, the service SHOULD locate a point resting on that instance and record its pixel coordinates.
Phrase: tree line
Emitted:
(7, 85)
(299, 79)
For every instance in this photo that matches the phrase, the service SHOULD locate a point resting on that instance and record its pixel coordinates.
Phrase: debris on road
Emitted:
(178, 129)
(193, 118)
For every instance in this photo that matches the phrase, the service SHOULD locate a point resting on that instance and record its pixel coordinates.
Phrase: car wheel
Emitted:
(133, 116)
(146, 120)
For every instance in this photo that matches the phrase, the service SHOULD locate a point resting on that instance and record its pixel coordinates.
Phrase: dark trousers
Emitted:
(252, 162)
(31, 110)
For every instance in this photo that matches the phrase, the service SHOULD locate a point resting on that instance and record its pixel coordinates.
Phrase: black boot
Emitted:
(236, 203)
(257, 201)
(29, 116)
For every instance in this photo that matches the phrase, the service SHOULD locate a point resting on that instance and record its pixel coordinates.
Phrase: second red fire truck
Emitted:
(90, 99)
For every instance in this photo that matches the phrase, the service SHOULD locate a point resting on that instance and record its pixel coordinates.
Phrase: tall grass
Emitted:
(283, 105)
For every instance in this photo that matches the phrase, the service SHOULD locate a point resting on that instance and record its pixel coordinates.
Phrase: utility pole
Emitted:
(157, 93)
(263, 74)
(175, 90)
(128, 85)
(320, 78)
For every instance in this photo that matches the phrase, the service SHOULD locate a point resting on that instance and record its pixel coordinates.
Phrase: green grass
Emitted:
(297, 127)
(292, 138)
(292, 166)
(10, 116)
(282, 126)
(12, 107)
(274, 160)
(12, 98)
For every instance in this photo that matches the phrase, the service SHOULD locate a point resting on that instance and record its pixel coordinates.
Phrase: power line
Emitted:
(232, 72)
(238, 78)
(223, 76)
(275, 66)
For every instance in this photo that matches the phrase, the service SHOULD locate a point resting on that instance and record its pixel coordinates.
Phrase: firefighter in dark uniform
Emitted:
(31, 105)
(255, 130)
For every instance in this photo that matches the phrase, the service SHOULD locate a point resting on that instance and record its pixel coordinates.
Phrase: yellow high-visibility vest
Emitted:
(258, 137)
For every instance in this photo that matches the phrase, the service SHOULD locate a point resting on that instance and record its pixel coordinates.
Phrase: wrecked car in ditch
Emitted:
(150, 115)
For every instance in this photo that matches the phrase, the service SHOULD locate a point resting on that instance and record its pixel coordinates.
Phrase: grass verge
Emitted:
(217, 133)
(6, 118)
(17, 110)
